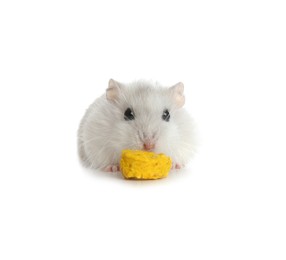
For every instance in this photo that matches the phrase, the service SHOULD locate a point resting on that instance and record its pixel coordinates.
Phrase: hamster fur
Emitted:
(140, 116)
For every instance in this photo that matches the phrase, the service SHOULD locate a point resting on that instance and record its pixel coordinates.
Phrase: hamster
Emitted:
(139, 116)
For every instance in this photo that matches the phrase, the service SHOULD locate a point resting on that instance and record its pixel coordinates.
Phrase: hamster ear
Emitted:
(113, 90)
(178, 94)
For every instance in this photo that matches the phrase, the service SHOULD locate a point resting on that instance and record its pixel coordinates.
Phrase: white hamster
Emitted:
(140, 116)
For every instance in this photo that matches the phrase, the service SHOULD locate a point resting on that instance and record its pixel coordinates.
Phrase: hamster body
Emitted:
(139, 116)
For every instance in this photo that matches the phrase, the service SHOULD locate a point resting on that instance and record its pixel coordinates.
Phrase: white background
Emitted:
(56, 57)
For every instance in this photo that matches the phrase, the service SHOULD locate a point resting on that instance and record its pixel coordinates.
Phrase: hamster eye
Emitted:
(129, 114)
(166, 115)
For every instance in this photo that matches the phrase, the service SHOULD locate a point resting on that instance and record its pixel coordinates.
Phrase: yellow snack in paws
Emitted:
(137, 164)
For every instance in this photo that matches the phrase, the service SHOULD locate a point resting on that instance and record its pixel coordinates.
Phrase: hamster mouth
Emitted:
(148, 146)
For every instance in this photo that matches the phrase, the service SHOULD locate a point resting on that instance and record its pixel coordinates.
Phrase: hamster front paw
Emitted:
(112, 168)
(177, 166)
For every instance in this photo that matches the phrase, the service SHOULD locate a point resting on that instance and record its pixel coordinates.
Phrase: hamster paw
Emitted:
(112, 168)
(177, 166)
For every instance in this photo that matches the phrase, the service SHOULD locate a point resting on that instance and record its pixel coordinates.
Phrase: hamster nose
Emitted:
(148, 146)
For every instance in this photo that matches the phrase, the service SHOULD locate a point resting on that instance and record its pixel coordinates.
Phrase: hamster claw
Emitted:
(112, 168)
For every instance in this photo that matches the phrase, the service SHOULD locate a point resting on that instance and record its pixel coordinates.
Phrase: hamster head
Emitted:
(147, 116)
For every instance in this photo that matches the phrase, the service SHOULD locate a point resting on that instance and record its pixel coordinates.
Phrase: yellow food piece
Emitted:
(137, 164)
